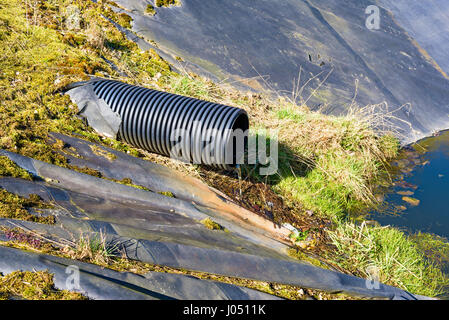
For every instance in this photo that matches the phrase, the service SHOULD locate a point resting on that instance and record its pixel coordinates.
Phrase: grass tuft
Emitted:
(94, 250)
(396, 259)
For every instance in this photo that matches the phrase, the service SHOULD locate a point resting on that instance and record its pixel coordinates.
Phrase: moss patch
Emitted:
(212, 225)
(167, 3)
(302, 256)
(15, 207)
(99, 151)
(125, 20)
(150, 10)
(33, 286)
(167, 194)
(9, 169)
(18, 236)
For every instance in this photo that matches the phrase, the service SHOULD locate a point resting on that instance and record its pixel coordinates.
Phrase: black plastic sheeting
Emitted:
(268, 42)
(104, 284)
(192, 199)
(427, 23)
(165, 231)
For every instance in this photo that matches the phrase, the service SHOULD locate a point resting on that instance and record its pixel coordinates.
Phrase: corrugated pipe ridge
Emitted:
(172, 125)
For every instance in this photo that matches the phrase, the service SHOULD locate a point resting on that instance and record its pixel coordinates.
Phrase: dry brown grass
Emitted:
(95, 250)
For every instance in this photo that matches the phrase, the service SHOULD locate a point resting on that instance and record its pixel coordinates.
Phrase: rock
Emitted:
(407, 170)
(380, 197)
(402, 163)
(405, 193)
(400, 208)
(406, 185)
(412, 201)
(302, 244)
(157, 76)
(373, 223)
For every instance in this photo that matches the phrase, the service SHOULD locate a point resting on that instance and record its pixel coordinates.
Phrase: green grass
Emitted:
(398, 259)
(94, 250)
(434, 248)
(331, 165)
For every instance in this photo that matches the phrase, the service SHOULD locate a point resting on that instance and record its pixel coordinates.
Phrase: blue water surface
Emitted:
(428, 178)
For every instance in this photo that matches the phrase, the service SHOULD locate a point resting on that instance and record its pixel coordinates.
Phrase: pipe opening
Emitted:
(237, 141)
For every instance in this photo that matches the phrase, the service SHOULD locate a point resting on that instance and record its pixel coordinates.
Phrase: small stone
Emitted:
(402, 163)
(303, 244)
(301, 292)
(372, 223)
(379, 197)
(407, 170)
(412, 201)
(406, 185)
(310, 213)
(157, 76)
(406, 193)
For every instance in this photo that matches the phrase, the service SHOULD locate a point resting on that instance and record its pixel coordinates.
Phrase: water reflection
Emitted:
(419, 200)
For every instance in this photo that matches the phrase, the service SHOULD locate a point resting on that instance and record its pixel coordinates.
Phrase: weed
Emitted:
(95, 250)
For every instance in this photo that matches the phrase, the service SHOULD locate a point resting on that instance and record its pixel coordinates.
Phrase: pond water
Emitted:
(419, 200)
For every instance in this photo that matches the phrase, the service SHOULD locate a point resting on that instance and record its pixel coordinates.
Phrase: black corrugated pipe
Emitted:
(161, 122)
